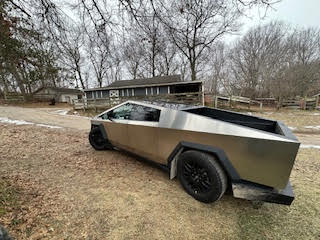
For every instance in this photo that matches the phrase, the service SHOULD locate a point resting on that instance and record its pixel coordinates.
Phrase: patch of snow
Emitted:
(61, 112)
(316, 114)
(309, 146)
(22, 122)
(292, 128)
(249, 113)
(313, 127)
(268, 113)
(48, 126)
(17, 122)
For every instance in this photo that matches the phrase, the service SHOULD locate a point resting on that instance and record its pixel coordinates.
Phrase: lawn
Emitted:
(55, 186)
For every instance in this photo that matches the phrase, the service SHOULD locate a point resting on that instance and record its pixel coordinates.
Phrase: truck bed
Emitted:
(237, 118)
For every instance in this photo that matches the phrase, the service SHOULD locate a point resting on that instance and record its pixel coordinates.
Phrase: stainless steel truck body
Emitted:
(251, 155)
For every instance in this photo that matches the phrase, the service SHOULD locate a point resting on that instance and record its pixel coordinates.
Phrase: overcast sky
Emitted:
(302, 13)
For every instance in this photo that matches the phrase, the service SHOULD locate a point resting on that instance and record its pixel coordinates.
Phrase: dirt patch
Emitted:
(74, 192)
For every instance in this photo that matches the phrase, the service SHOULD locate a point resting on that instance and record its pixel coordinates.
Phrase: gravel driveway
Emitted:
(51, 116)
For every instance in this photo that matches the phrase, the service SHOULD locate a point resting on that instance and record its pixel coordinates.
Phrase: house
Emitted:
(163, 85)
(66, 95)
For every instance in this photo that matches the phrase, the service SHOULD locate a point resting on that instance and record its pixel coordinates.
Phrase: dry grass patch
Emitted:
(85, 194)
(297, 119)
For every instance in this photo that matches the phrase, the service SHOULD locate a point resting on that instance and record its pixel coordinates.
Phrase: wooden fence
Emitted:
(12, 97)
(234, 101)
(239, 102)
(104, 103)
(301, 103)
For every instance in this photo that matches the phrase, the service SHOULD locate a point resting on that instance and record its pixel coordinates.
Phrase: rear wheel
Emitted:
(201, 176)
(97, 140)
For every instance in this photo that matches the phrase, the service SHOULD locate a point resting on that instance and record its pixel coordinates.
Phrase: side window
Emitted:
(121, 113)
(133, 112)
(143, 113)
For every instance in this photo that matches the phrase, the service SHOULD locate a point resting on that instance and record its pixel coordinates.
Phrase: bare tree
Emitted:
(133, 54)
(257, 57)
(304, 59)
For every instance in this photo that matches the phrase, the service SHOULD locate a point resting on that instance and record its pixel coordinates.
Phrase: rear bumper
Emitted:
(252, 191)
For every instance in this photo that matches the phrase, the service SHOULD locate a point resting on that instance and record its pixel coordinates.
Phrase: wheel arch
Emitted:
(220, 155)
(101, 128)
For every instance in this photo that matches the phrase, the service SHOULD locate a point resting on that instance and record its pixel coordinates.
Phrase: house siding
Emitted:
(144, 90)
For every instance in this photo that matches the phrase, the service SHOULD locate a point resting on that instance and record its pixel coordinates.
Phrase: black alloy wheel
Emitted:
(97, 141)
(201, 176)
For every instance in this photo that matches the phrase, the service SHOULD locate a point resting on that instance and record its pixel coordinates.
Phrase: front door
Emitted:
(143, 131)
(117, 126)
(134, 127)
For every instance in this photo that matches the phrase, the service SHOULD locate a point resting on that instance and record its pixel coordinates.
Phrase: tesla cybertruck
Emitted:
(208, 150)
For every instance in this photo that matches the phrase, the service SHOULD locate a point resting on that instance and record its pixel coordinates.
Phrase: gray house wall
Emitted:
(143, 91)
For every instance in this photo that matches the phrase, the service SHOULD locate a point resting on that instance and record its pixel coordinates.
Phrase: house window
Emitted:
(105, 93)
(163, 90)
(89, 95)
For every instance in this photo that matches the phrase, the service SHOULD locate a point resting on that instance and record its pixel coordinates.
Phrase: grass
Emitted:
(296, 119)
(85, 194)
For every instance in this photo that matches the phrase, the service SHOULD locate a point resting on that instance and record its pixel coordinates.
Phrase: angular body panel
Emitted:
(264, 156)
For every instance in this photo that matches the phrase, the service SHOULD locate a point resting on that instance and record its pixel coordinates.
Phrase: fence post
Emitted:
(216, 101)
(317, 101)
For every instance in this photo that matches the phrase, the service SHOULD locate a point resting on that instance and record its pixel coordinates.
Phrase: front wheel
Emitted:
(201, 176)
(97, 141)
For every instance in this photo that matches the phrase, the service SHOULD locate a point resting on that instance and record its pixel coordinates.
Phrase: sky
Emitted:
(300, 13)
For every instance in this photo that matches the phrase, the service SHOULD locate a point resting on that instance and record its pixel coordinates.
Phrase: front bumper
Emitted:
(253, 191)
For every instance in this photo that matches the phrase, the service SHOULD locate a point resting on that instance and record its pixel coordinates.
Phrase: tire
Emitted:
(201, 176)
(4, 234)
(97, 141)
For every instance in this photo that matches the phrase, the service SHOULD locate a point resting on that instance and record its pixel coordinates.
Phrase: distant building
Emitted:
(66, 95)
(163, 85)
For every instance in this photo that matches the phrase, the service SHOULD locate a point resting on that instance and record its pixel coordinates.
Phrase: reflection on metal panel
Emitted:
(258, 156)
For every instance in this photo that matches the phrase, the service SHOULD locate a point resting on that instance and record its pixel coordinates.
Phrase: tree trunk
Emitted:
(193, 71)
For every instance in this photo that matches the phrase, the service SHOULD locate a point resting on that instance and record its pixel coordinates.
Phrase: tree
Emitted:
(257, 58)
(22, 55)
(194, 25)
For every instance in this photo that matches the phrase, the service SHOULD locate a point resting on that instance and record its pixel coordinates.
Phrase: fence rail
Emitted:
(302, 103)
(221, 101)
(185, 98)
(237, 101)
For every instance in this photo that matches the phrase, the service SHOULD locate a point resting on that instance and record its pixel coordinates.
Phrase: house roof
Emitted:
(61, 90)
(145, 82)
